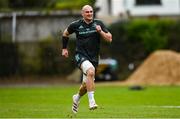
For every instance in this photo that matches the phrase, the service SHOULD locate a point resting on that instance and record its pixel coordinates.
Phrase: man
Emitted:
(88, 32)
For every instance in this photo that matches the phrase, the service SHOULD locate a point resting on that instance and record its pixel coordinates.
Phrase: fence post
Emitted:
(13, 26)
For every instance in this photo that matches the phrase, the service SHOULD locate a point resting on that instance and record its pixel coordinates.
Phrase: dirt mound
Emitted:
(160, 68)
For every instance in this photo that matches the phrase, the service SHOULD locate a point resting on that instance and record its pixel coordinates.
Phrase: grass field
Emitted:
(113, 101)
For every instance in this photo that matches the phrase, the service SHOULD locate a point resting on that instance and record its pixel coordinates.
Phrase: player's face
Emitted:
(87, 13)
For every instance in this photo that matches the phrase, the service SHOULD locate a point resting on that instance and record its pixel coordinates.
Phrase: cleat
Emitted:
(75, 104)
(93, 106)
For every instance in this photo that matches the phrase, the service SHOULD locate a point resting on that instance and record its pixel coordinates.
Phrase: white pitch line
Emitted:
(165, 106)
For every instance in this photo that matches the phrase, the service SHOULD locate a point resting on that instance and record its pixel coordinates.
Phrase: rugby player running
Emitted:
(88, 34)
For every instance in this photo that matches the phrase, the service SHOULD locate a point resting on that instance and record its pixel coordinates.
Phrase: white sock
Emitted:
(78, 97)
(91, 96)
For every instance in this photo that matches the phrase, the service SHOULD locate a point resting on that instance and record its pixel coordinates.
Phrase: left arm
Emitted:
(106, 36)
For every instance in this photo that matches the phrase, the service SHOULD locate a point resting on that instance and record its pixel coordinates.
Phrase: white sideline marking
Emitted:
(165, 106)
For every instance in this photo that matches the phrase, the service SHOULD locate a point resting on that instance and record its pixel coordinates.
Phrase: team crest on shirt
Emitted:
(94, 24)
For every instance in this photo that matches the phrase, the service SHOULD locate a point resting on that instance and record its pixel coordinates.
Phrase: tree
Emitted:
(44, 4)
(29, 4)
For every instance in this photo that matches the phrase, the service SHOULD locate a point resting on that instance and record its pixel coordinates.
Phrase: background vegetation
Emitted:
(132, 42)
(8, 5)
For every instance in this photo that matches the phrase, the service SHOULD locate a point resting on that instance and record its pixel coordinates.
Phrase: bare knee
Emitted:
(91, 72)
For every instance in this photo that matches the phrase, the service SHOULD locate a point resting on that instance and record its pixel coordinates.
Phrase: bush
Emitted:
(8, 59)
(152, 34)
(134, 40)
(70, 4)
(174, 36)
(52, 63)
(44, 58)
(28, 4)
(30, 63)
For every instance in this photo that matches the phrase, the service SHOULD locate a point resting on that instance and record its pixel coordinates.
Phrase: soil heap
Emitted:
(160, 68)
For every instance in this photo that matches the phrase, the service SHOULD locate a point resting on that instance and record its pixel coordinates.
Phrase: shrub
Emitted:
(134, 40)
(174, 36)
(8, 59)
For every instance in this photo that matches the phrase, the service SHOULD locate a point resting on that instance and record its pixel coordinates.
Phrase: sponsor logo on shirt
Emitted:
(81, 27)
(87, 32)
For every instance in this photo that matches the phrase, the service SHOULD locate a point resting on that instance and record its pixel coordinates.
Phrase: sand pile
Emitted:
(160, 68)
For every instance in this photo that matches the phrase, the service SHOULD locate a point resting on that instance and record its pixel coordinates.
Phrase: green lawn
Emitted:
(113, 101)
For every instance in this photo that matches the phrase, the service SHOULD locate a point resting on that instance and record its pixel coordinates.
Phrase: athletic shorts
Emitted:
(79, 58)
(84, 64)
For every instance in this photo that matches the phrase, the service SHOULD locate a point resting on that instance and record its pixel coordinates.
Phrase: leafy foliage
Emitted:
(44, 4)
(134, 40)
(71, 4)
(151, 33)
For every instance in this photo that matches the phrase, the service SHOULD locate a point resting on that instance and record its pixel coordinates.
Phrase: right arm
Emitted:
(65, 38)
(66, 33)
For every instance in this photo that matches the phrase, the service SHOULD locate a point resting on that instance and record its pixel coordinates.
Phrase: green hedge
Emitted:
(43, 58)
(149, 34)
(8, 59)
(174, 36)
(34, 58)
(72, 5)
(134, 40)
(7, 5)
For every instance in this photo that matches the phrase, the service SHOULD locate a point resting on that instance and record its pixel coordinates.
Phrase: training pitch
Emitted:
(114, 102)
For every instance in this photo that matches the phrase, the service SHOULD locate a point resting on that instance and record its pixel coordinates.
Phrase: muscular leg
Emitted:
(91, 88)
(87, 86)
(76, 97)
(90, 80)
(82, 89)
(90, 85)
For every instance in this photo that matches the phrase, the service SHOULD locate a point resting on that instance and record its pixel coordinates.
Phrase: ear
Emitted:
(82, 13)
